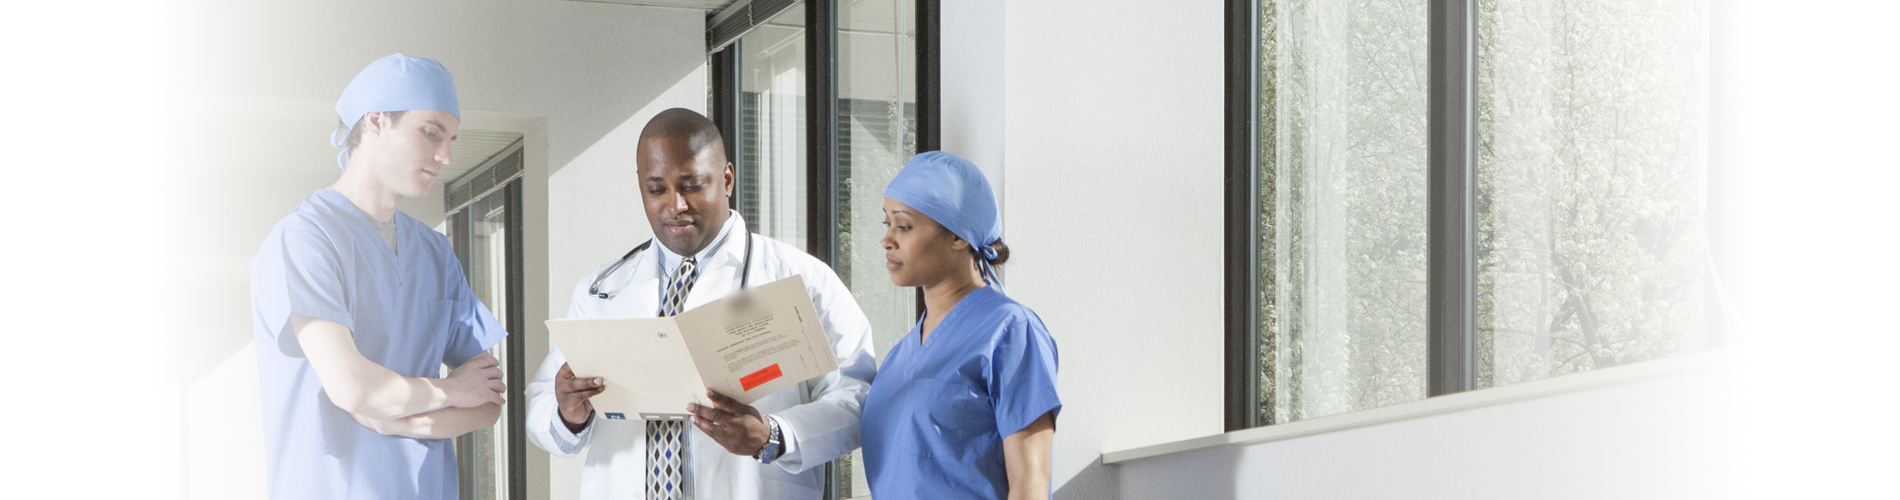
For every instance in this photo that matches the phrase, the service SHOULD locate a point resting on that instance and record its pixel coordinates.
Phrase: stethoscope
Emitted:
(745, 271)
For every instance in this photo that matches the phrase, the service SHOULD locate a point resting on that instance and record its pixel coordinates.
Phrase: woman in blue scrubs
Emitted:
(965, 405)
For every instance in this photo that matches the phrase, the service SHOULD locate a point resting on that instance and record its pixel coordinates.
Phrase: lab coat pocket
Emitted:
(775, 483)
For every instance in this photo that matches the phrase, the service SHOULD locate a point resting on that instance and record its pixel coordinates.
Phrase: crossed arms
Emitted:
(394, 405)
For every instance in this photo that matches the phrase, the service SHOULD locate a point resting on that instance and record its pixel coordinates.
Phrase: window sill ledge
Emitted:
(1688, 364)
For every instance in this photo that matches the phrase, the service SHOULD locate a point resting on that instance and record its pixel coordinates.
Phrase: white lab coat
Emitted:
(819, 417)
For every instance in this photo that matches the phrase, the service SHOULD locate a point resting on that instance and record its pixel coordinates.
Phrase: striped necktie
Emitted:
(666, 446)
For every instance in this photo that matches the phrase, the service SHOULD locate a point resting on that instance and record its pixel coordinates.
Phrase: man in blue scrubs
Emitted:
(357, 307)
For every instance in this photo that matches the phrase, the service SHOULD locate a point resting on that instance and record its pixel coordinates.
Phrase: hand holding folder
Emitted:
(745, 346)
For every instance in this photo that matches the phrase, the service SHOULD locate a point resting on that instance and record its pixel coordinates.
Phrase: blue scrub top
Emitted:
(938, 411)
(411, 314)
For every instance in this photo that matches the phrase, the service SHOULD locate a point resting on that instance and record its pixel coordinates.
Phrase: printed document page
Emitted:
(758, 341)
(746, 346)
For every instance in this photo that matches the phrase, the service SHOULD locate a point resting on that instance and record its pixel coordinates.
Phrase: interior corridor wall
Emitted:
(972, 82)
(1112, 211)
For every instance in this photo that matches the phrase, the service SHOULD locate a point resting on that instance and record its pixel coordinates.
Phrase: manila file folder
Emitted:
(746, 345)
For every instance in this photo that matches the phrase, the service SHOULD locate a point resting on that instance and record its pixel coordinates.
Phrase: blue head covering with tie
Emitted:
(394, 83)
(950, 190)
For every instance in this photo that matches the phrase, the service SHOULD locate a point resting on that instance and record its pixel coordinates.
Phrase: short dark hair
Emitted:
(699, 132)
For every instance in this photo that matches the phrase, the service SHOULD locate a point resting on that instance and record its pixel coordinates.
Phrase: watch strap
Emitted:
(774, 442)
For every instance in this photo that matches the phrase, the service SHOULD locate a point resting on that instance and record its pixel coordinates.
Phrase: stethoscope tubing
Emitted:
(745, 271)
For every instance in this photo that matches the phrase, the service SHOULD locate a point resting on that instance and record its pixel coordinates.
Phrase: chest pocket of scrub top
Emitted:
(955, 413)
(420, 339)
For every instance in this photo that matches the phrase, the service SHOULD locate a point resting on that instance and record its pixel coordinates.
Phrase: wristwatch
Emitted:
(773, 443)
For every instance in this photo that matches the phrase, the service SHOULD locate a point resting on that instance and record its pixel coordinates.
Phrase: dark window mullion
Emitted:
(821, 126)
(929, 64)
(724, 102)
(1451, 194)
(517, 343)
(1242, 212)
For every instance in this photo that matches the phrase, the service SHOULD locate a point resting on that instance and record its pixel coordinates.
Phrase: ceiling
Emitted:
(290, 140)
(303, 145)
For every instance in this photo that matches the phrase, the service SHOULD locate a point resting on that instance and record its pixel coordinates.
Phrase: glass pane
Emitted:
(877, 123)
(877, 134)
(1342, 198)
(772, 127)
(1591, 130)
(488, 278)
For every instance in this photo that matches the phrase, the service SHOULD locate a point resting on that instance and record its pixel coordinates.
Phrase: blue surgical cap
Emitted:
(950, 190)
(394, 83)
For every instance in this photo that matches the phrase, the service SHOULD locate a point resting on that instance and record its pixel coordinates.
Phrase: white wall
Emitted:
(567, 75)
(1666, 437)
(1113, 216)
(971, 81)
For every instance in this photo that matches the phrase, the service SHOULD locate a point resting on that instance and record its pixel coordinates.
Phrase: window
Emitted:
(1440, 195)
(1590, 162)
(772, 127)
(1342, 187)
(821, 104)
(486, 234)
(877, 134)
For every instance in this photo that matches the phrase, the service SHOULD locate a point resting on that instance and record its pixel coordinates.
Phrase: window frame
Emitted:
(500, 177)
(1451, 195)
(1240, 205)
(1452, 66)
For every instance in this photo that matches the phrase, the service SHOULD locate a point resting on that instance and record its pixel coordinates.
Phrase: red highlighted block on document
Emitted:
(760, 377)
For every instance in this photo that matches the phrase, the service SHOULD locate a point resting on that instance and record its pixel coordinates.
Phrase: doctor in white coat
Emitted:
(769, 450)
